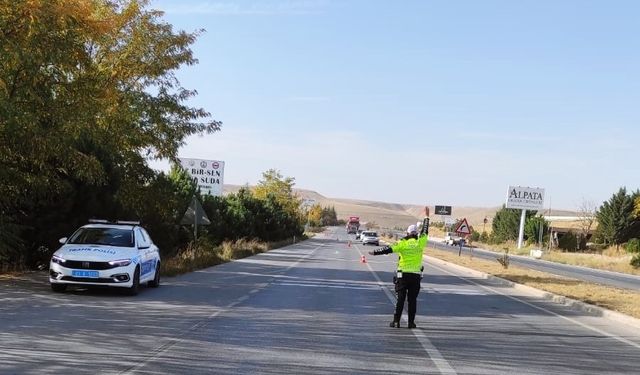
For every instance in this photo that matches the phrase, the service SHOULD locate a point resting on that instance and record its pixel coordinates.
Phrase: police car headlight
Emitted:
(58, 259)
(120, 262)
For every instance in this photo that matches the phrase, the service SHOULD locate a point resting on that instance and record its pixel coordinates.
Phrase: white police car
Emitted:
(119, 254)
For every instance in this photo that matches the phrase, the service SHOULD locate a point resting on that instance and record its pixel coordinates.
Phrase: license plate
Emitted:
(79, 273)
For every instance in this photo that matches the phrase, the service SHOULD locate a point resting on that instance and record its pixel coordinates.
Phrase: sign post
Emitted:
(524, 198)
(443, 211)
(463, 229)
(195, 215)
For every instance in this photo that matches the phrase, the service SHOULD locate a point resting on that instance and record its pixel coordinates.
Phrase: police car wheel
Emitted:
(58, 288)
(135, 287)
(156, 278)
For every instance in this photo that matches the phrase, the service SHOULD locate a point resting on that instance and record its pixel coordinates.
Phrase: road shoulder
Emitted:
(580, 291)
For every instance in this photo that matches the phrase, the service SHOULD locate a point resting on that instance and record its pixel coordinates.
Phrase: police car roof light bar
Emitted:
(127, 222)
(99, 221)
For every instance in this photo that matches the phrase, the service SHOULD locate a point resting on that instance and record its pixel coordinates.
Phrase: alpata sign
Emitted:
(525, 198)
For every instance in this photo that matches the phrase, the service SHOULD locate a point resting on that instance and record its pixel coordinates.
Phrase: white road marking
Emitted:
(576, 322)
(157, 352)
(357, 287)
(436, 357)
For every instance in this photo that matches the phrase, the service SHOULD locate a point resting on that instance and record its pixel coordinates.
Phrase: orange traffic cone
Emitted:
(363, 259)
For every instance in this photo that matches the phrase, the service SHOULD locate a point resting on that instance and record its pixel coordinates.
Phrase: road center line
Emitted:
(434, 354)
(576, 322)
(157, 352)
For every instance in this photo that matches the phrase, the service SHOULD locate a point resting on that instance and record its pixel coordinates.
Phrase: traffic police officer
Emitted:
(409, 274)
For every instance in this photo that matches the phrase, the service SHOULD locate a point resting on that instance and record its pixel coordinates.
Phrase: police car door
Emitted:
(154, 252)
(147, 261)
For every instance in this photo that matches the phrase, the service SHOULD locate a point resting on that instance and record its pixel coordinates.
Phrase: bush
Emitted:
(568, 242)
(633, 246)
(475, 236)
(635, 261)
(484, 237)
(437, 224)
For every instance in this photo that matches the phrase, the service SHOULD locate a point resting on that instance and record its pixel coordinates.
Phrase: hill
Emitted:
(395, 215)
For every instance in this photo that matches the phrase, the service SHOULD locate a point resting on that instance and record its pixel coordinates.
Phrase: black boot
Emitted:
(412, 325)
(394, 324)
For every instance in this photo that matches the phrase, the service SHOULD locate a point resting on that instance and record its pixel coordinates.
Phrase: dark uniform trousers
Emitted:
(409, 284)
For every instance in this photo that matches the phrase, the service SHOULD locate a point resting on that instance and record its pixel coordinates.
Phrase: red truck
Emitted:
(353, 224)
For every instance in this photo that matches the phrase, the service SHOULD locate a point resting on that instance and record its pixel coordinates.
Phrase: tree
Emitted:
(506, 224)
(616, 220)
(281, 188)
(587, 217)
(314, 216)
(568, 242)
(329, 216)
(475, 236)
(88, 93)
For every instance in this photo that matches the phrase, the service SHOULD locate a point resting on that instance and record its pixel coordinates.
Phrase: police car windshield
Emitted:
(371, 234)
(103, 236)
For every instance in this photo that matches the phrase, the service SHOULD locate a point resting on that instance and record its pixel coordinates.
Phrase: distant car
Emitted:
(358, 234)
(119, 254)
(452, 239)
(370, 237)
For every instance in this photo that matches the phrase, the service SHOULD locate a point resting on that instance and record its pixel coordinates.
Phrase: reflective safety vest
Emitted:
(410, 252)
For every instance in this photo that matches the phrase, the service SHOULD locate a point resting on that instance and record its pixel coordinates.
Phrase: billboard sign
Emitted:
(443, 210)
(525, 198)
(208, 174)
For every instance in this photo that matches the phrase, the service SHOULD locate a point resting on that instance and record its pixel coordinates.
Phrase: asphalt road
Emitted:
(311, 308)
(615, 279)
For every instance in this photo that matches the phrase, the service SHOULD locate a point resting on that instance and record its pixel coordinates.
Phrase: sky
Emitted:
(419, 102)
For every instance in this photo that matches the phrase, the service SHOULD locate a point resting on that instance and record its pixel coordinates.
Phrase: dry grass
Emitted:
(621, 300)
(618, 263)
(199, 255)
(609, 260)
(9, 275)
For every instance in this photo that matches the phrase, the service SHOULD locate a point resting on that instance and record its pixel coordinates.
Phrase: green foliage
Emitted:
(318, 216)
(633, 246)
(314, 216)
(244, 215)
(281, 189)
(11, 245)
(484, 237)
(87, 93)
(568, 242)
(616, 219)
(475, 236)
(532, 228)
(506, 224)
(635, 261)
(329, 216)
